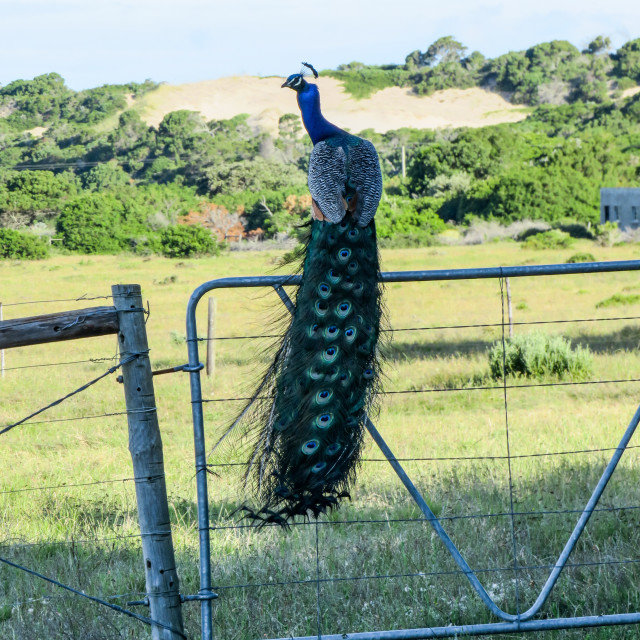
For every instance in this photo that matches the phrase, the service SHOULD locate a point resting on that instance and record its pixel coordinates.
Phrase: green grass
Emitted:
(85, 535)
(619, 300)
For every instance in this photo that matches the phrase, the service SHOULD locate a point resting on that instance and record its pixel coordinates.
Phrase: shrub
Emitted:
(553, 239)
(23, 246)
(181, 241)
(536, 355)
(575, 230)
(619, 299)
(581, 257)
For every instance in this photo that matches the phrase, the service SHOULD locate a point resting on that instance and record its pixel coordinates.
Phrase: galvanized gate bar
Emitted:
(516, 623)
(454, 631)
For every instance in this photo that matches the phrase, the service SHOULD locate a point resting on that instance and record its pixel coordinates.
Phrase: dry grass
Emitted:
(80, 534)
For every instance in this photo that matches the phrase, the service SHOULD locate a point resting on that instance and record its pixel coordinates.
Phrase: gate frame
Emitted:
(520, 622)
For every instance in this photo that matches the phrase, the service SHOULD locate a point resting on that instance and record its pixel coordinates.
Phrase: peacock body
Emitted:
(305, 423)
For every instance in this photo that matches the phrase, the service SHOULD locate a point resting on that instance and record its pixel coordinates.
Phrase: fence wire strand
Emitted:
(115, 607)
(84, 387)
(444, 327)
(425, 574)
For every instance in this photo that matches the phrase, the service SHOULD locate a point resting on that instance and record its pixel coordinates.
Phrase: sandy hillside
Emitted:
(392, 108)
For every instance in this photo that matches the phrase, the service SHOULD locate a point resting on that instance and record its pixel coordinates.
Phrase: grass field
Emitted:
(86, 536)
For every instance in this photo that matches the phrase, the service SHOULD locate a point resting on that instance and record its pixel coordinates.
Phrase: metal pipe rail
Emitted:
(512, 622)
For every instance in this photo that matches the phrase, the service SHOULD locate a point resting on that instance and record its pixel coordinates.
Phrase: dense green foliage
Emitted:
(179, 241)
(552, 72)
(97, 179)
(538, 355)
(18, 245)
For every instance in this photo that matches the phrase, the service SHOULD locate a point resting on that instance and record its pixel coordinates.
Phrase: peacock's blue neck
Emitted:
(317, 126)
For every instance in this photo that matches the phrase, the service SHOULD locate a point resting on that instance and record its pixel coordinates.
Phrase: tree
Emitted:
(627, 60)
(443, 51)
(601, 44)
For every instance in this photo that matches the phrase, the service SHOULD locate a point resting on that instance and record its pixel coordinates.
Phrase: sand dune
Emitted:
(392, 108)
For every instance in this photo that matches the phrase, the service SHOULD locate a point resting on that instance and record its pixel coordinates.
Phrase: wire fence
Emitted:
(520, 569)
(17, 552)
(320, 546)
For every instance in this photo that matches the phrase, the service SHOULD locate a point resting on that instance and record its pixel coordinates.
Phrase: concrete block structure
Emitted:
(621, 205)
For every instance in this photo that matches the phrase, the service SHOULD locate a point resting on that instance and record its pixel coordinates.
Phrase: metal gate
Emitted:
(508, 622)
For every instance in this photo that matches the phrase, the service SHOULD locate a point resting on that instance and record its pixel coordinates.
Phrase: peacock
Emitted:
(304, 424)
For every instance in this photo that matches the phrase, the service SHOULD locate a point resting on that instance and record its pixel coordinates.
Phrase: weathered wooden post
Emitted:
(211, 335)
(1, 350)
(145, 446)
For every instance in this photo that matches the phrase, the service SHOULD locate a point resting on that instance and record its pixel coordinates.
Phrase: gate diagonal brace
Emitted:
(451, 547)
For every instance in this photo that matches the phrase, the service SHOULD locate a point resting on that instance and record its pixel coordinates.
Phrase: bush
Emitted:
(100, 223)
(553, 239)
(619, 299)
(22, 246)
(581, 257)
(537, 355)
(181, 241)
(575, 230)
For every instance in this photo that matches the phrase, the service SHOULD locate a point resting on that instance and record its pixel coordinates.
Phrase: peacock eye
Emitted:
(357, 289)
(344, 255)
(324, 396)
(315, 375)
(321, 308)
(332, 449)
(324, 421)
(353, 234)
(318, 467)
(324, 290)
(313, 330)
(368, 374)
(330, 354)
(343, 309)
(350, 334)
(333, 276)
(331, 332)
(310, 447)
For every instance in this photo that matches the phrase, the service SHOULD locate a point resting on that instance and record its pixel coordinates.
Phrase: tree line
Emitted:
(99, 179)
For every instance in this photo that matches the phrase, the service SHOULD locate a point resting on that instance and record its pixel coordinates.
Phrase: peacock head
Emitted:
(296, 81)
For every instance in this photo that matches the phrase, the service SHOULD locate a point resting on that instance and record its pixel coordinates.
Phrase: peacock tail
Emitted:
(305, 423)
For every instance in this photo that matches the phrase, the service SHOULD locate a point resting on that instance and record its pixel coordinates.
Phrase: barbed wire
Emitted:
(85, 484)
(119, 596)
(84, 296)
(60, 364)
(62, 543)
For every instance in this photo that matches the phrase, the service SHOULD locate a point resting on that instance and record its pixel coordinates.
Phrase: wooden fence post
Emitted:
(145, 446)
(211, 334)
(509, 310)
(1, 350)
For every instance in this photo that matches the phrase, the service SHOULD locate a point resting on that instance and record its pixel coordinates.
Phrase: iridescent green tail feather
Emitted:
(305, 423)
